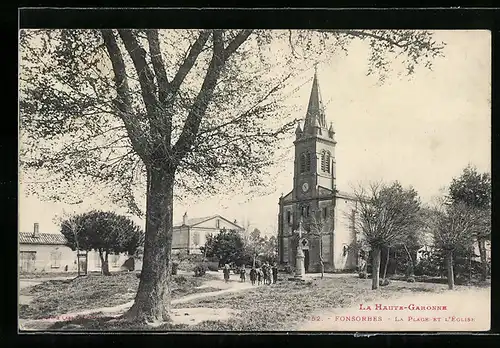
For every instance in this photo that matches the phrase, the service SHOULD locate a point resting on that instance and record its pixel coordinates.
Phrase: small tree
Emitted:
(385, 216)
(453, 230)
(105, 232)
(319, 226)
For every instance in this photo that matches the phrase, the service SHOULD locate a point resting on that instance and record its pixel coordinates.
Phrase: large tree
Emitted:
(170, 108)
(453, 225)
(474, 189)
(106, 232)
(385, 216)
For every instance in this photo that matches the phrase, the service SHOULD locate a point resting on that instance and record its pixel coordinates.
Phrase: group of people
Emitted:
(266, 274)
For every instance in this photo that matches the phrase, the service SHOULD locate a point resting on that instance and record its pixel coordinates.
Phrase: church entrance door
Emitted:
(306, 260)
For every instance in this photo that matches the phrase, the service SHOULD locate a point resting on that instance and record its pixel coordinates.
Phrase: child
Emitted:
(253, 275)
(243, 272)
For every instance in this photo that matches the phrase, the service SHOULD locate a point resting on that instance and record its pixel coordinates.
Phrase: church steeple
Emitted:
(315, 117)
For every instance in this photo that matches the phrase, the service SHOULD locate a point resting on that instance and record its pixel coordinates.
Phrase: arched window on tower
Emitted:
(302, 162)
(308, 161)
(327, 162)
(305, 162)
(323, 158)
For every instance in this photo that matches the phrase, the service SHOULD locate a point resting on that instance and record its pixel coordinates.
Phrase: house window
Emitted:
(325, 212)
(55, 259)
(289, 216)
(217, 223)
(27, 261)
(196, 238)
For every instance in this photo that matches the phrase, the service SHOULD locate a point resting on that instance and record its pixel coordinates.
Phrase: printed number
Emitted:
(315, 318)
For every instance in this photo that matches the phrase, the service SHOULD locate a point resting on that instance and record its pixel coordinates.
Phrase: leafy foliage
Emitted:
(106, 231)
(386, 214)
(227, 246)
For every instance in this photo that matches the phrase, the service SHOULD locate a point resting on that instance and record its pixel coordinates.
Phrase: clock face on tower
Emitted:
(305, 187)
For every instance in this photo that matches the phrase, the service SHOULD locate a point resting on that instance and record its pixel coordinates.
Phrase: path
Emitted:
(233, 286)
(467, 310)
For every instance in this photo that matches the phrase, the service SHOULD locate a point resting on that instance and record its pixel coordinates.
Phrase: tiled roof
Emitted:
(42, 238)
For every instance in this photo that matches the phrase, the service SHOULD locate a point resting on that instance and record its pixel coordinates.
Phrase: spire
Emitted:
(315, 116)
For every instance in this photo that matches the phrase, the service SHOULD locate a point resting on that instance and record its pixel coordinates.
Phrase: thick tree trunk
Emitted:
(386, 263)
(449, 266)
(152, 302)
(376, 267)
(104, 263)
(482, 253)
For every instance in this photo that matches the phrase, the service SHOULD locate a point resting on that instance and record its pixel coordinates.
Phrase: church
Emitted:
(315, 214)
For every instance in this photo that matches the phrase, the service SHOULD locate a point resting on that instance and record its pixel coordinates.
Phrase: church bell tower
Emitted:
(314, 150)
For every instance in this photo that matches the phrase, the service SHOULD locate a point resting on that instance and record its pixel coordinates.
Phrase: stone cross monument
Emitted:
(300, 269)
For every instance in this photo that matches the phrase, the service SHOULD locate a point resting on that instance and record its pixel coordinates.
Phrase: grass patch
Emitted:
(265, 308)
(277, 307)
(57, 297)
(281, 306)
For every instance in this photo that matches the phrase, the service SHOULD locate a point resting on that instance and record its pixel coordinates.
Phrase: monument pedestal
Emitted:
(300, 269)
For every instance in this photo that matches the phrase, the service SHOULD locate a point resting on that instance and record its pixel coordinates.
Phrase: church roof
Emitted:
(315, 116)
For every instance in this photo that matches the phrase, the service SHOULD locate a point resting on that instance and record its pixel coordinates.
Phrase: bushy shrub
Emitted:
(213, 266)
(289, 269)
(200, 270)
(427, 267)
(175, 266)
(383, 282)
(410, 279)
(363, 275)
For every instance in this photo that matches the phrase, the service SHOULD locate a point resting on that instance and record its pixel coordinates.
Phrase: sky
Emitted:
(421, 130)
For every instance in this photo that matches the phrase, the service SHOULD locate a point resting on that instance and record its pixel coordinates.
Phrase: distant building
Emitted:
(314, 195)
(191, 234)
(47, 252)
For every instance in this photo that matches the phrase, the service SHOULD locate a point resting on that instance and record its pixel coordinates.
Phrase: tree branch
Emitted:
(158, 65)
(138, 55)
(191, 127)
(188, 63)
(124, 103)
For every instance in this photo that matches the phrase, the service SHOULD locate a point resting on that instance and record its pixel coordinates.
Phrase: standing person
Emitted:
(253, 275)
(267, 276)
(275, 273)
(259, 276)
(243, 272)
(227, 271)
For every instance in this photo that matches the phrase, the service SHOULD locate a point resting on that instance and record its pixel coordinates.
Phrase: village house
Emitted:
(48, 252)
(192, 233)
